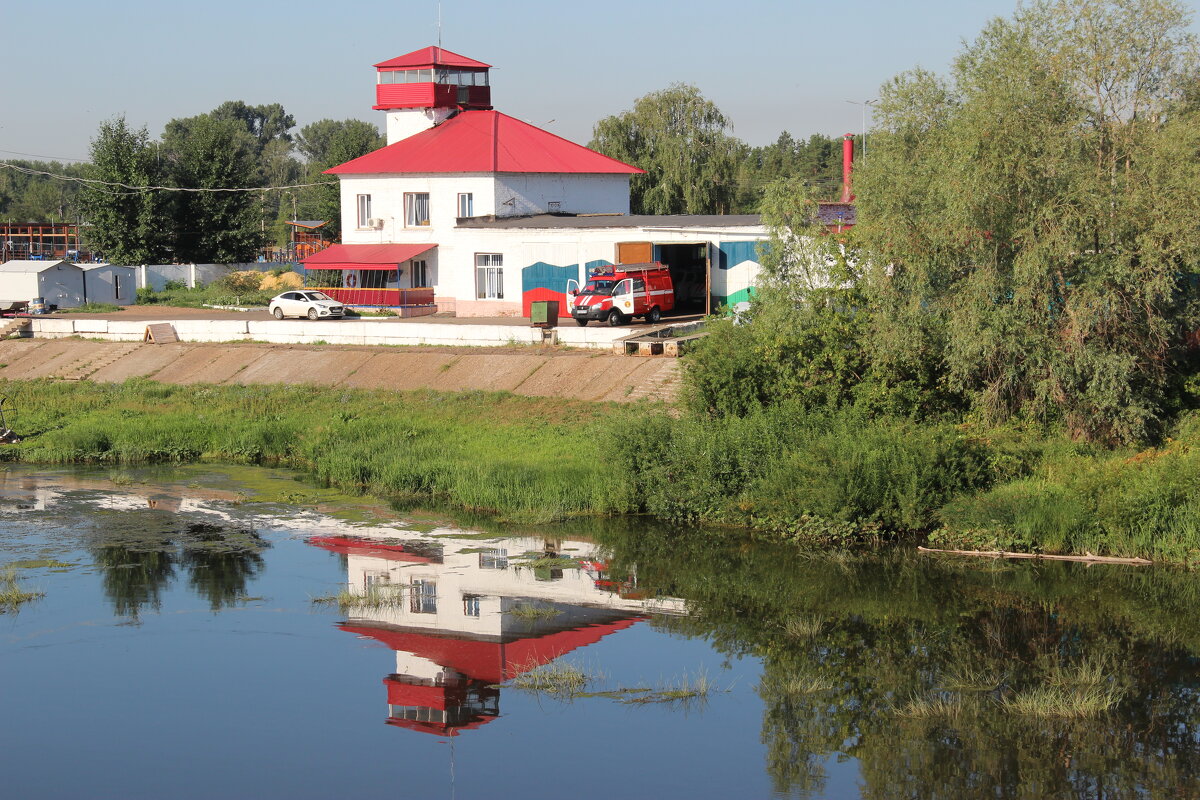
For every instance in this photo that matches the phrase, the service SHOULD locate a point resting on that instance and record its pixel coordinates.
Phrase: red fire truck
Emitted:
(620, 292)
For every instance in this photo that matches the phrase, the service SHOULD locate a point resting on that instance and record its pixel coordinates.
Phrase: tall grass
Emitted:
(12, 596)
(525, 459)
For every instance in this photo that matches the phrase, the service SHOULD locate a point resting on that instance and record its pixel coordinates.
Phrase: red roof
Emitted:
(483, 141)
(350, 546)
(431, 57)
(494, 662)
(364, 256)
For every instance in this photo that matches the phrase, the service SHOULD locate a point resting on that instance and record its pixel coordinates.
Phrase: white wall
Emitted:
(18, 287)
(111, 284)
(62, 286)
(520, 194)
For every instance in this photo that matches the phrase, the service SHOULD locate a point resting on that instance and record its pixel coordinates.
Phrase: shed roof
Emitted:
(483, 141)
(431, 57)
(20, 265)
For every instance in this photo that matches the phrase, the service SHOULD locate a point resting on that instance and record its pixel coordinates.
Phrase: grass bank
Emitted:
(525, 459)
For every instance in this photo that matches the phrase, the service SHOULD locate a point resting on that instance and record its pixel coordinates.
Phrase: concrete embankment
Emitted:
(528, 371)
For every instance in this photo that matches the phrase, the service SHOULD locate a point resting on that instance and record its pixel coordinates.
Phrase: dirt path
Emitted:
(535, 372)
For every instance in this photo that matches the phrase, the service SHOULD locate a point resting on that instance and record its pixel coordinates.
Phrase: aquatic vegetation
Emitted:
(12, 596)
(935, 707)
(371, 600)
(1050, 701)
(557, 679)
(533, 612)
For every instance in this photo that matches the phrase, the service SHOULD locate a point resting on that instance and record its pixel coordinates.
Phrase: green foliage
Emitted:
(126, 227)
(38, 198)
(815, 164)
(1005, 208)
(325, 144)
(680, 139)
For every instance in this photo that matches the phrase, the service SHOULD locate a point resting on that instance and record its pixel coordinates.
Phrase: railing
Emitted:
(390, 298)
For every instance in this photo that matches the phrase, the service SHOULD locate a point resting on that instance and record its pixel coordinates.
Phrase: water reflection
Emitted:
(464, 616)
(947, 679)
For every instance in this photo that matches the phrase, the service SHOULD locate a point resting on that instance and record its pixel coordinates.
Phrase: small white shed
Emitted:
(109, 283)
(59, 282)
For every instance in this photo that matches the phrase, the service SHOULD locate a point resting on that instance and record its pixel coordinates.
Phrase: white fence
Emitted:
(156, 276)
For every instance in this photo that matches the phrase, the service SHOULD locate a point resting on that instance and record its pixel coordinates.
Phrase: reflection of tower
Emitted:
(456, 621)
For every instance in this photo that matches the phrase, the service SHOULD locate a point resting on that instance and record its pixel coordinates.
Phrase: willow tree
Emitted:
(682, 142)
(1039, 206)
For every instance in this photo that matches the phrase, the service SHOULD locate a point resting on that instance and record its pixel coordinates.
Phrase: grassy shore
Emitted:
(525, 459)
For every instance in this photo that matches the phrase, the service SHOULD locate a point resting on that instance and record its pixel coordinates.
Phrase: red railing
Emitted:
(390, 298)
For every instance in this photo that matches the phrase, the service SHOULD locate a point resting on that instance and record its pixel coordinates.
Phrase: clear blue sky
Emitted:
(770, 65)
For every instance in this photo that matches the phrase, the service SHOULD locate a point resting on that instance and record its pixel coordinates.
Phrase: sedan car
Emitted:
(303, 303)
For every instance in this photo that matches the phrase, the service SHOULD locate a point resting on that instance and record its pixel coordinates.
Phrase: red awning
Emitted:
(365, 256)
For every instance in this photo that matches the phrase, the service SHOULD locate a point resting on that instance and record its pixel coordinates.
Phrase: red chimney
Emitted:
(847, 166)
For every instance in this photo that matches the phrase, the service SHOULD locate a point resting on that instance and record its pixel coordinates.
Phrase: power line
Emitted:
(51, 158)
(140, 189)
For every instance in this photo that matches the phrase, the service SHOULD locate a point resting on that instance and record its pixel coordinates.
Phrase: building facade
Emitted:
(489, 214)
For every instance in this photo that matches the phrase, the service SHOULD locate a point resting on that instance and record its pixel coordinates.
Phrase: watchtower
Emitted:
(426, 87)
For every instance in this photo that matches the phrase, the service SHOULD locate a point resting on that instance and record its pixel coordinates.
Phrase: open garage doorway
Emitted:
(689, 264)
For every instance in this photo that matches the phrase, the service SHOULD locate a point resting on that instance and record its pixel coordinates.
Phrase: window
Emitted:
(374, 278)
(422, 598)
(489, 276)
(466, 204)
(364, 209)
(416, 208)
(471, 605)
(494, 559)
(554, 205)
(419, 274)
(375, 579)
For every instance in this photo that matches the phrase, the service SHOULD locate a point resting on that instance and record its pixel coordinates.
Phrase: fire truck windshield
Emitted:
(603, 288)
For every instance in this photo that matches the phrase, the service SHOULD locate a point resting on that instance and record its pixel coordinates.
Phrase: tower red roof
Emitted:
(431, 57)
(483, 141)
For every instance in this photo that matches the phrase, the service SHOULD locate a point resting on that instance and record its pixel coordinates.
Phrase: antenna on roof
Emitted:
(439, 24)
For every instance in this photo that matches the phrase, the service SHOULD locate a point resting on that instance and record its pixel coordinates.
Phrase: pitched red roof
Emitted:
(364, 256)
(431, 57)
(483, 141)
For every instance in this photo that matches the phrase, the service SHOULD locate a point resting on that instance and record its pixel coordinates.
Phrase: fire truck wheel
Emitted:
(581, 323)
(655, 316)
(615, 318)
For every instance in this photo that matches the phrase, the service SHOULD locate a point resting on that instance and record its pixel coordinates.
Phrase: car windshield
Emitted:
(318, 296)
(599, 287)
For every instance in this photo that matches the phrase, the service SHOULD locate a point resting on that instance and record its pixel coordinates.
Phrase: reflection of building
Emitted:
(464, 616)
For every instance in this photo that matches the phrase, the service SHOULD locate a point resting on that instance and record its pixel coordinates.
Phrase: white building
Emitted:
(484, 214)
(59, 283)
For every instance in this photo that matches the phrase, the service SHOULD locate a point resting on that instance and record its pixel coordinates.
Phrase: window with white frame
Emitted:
(416, 208)
(489, 276)
(364, 210)
(466, 204)
(422, 598)
(471, 605)
(419, 274)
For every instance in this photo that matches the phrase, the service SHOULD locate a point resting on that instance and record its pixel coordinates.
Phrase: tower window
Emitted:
(466, 204)
(364, 209)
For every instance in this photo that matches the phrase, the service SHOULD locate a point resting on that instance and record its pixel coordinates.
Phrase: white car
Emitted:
(303, 303)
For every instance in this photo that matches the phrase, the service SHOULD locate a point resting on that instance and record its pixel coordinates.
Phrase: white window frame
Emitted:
(466, 204)
(364, 209)
(413, 208)
(489, 276)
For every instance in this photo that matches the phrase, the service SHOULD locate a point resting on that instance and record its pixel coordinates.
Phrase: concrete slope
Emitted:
(534, 372)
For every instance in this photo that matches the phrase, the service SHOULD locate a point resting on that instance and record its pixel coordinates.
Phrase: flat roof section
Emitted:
(616, 221)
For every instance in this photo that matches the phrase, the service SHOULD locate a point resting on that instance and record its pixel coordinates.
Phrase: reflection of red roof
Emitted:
(483, 141)
(365, 256)
(350, 546)
(438, 728)
(494, 662)
(431, 57)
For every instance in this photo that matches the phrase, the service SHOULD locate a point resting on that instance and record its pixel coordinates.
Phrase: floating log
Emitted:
(1086, 559)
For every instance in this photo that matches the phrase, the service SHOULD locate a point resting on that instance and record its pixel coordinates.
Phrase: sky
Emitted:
(770, 65)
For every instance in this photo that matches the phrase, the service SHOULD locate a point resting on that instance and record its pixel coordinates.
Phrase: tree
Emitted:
(208, 155)
(125, 225)
(680, 139)
(326, 144)
(1035, 209)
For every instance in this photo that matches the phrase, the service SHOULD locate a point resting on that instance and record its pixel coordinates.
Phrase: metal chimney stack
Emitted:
(847, 166)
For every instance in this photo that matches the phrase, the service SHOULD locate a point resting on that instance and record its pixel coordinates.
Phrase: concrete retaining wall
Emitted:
(373, 332)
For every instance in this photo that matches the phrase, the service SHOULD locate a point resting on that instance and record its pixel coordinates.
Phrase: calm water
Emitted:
(178, 651)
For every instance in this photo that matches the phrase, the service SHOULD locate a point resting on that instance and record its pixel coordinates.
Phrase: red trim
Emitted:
(391, 298)
(349, 546)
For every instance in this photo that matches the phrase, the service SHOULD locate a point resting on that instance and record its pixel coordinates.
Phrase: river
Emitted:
(203, 631)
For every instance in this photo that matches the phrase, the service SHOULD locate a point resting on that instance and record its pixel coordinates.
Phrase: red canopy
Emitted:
(365, 256)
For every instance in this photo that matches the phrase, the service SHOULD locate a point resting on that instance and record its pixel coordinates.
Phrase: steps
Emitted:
(13, 326)
(81, 368)
(663, 387)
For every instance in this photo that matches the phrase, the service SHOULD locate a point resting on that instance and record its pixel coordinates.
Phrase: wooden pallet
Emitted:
(160, 333)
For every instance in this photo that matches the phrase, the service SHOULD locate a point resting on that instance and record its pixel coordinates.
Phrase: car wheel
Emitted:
(655, 316)
(615, 318)
(581, 323)
(312, 314)
(278, 312)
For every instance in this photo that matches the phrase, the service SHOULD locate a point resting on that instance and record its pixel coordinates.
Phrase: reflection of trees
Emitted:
(906, 663)
(139, 552)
